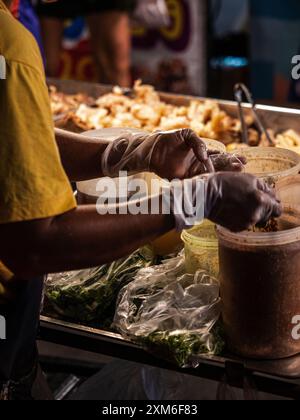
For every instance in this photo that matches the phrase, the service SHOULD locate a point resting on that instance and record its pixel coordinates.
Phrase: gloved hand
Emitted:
(152, 13)
(226, 162)
(171, 155)
(234, 201)
(239, 201)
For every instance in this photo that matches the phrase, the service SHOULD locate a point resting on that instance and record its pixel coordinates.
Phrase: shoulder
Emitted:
(17, 44)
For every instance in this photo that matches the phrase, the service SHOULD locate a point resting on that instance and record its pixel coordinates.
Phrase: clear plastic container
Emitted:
(260, 287)
(202, 249)
(270, 164)
(87, 190)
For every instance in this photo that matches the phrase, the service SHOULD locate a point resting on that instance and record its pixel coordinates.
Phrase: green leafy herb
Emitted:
(182, 347)
(90, 296)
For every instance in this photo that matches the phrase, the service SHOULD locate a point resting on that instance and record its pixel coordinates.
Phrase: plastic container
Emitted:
(288, 191)
(202, 249)
(270, 164)
(87, 190)
(260, 287)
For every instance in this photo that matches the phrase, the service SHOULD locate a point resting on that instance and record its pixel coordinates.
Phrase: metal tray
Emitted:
(277, 118)
(112, 344)
(274, 377)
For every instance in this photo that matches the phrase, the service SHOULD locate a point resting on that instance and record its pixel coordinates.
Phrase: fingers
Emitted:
(199, 148)
(266, 202)
(277, 210)
(228, 163)
(264, 187)
(196, 168)
(237, 162)
(268, 207)
(273, 208)
(209, 166)
(242, 159)
(230, 156)
(237, 167)
(214, 152)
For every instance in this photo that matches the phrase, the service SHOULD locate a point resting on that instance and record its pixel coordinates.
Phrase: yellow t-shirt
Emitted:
(33, 184)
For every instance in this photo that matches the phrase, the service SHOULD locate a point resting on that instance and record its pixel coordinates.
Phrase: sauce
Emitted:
(260, 290)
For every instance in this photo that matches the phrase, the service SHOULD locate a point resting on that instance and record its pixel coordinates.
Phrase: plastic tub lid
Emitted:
(269, 162)
(111, 134)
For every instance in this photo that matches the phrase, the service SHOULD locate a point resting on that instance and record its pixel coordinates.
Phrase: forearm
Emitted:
(81, 156)
(79, 239)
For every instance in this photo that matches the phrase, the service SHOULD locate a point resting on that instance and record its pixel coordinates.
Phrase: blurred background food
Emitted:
(203, 48)
(144, 109)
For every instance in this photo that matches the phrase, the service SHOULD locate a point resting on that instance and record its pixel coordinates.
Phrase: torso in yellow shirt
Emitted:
(33, 184)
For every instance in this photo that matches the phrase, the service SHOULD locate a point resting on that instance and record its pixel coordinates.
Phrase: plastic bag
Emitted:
(126, 381)
(171, 313)
(117, 381)
(90, 295)
(152, 13)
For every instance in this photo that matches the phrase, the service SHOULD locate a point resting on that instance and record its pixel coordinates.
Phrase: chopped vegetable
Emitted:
(182, 347)
(172, 314)
(90, 296)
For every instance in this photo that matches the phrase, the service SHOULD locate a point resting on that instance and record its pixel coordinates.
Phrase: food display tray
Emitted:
(277, 118)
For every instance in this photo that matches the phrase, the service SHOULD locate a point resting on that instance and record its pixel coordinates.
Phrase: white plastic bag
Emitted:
(171, 313)
(152, 13)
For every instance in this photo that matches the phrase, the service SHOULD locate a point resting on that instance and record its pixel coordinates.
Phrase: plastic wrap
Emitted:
(171, 313)
(126, 381)
(89, 296)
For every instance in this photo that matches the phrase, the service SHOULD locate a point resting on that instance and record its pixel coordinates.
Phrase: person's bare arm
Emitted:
(81, 156)
(111, 43)
(76, 240)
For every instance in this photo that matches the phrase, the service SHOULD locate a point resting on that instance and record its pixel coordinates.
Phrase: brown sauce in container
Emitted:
(260, 290)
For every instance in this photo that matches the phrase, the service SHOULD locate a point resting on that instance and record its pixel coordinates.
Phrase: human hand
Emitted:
(239, 201)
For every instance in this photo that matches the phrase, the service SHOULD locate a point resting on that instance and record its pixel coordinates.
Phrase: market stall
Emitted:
(81, 107)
